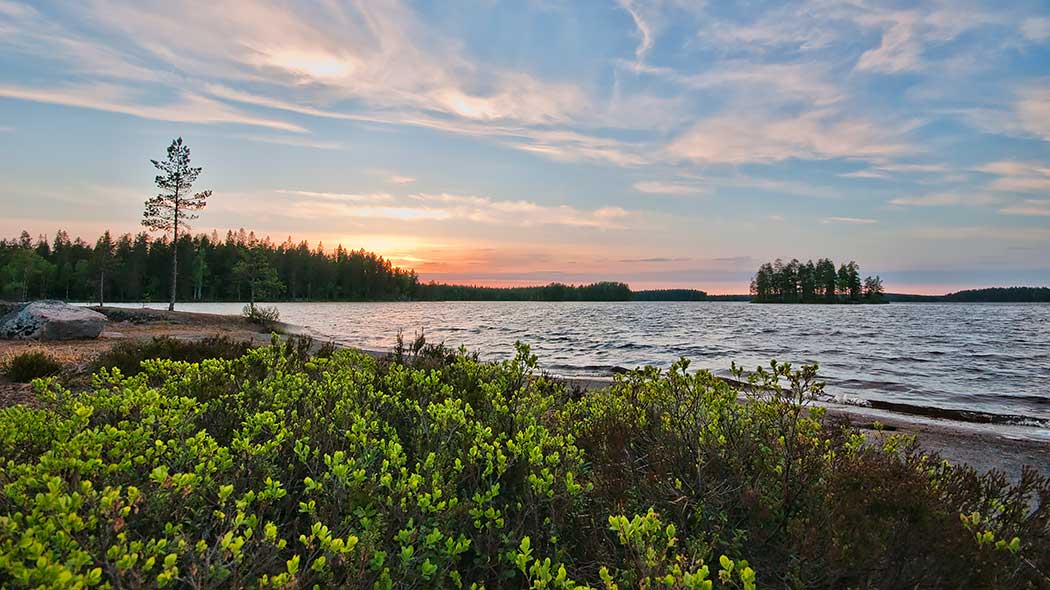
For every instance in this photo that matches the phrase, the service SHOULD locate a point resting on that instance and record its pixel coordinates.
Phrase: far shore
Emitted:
(959, 442)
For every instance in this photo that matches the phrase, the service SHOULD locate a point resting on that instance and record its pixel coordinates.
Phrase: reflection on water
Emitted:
(987, 358)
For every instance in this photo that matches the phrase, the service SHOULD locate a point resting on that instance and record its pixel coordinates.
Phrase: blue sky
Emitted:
(659, 142)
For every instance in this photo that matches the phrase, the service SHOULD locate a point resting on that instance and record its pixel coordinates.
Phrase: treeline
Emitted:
(1002, 295)
(603, 291)
(809, 282)
(133, 268)
(137, 268)
(670, 295)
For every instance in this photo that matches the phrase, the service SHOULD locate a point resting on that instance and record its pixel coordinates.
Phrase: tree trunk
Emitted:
(101, 286)
(174, 255)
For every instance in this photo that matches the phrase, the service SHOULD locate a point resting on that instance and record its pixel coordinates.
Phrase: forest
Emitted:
(241, 266)
(809, 282)
(137, 268)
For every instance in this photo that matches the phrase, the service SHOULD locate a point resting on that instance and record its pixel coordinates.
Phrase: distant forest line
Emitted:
(135, 268)
(986, 295)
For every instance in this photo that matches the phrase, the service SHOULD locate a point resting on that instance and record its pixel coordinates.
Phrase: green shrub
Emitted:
(281, 470)
(261, 315)
(128, 356)
(24, 367)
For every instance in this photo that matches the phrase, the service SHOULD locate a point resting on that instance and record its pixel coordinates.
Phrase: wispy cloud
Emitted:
(945, 200)
(449, 207)
(1036, 29)
(667, 188)
(817, 135)
(1029, 207)
(1033, 111)
(188, 108)
(1033, 207)
(968, 233)
(645, 31)
(296, 141)
(850, 220)
(1019, 177)
(899, 51)
(893, 170)
(396, 179)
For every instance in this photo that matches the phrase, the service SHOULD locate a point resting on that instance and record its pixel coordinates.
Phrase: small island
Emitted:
(809, 282)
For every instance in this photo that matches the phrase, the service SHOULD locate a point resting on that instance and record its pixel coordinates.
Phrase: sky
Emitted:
(658, 142)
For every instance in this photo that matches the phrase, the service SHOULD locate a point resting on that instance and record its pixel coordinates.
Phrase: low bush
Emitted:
(281, 470)
(128, 356)
(261, 315)
(26, 366)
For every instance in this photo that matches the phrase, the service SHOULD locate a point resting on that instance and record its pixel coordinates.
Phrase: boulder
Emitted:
(51, 320)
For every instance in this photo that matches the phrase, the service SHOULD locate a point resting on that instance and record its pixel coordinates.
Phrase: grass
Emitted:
(281, 469)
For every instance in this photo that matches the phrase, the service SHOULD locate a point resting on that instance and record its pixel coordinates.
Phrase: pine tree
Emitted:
(873, 290)
(255, 271)
(175, 204)
(103, 261)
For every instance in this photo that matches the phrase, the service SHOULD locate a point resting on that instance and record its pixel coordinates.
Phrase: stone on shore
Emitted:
(51, 320)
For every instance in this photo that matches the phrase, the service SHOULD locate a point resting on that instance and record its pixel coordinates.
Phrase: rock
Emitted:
(51, 320)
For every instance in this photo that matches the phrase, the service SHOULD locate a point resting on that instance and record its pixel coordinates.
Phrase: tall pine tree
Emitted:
(175, 204)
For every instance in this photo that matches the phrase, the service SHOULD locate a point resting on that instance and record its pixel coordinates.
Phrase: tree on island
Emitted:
(175, 204)
(849, 282)
(797, 282)
(873, 290)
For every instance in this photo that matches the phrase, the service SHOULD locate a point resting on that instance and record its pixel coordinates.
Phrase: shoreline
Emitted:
(1004, 447)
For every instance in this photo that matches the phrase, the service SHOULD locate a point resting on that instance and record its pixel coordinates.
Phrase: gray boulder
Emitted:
(51, 320)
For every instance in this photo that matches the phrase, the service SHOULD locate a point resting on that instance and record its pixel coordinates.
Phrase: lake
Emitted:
(976, 362)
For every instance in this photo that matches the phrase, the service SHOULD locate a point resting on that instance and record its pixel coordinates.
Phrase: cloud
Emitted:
(1029, 207)
(449, 207)
(645, 31)
(1036, 29)
(849, 220)
(807, 82)
(356, 61)
(188, 107)
(395, 179)
(378, 53)
(865, 174)
(1018, 177)
(899, 50)
(944, 200)
(887, 171)
(1026, 115)
(667, 188)
(296, 141)
(970, 233)
(1033, 111)
(654, 260)
(557, 144)
(817, 135)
